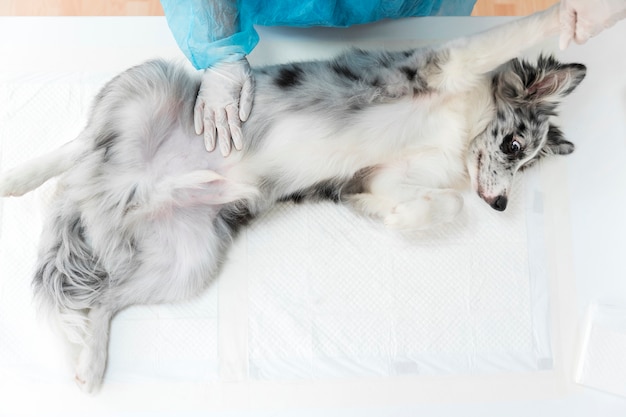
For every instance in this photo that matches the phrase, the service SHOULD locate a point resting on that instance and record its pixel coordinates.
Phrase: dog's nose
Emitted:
(500, 203)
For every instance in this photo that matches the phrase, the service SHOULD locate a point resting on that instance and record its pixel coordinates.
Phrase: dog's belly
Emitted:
(305, 149)
(184, 152)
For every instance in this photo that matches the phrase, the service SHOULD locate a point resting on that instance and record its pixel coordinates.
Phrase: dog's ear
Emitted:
(556, 144)
(549, 80)
(553, 80)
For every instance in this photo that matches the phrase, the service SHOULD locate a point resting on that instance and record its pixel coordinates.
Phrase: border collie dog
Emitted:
(143, 214)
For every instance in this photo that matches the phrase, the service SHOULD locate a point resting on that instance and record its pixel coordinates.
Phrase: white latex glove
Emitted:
(224, 101)
(582, 19)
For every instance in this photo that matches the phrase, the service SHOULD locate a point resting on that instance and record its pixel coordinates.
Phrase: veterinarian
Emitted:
(216, 36)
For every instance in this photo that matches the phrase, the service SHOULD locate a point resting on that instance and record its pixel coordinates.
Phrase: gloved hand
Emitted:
(224, 101)
(582, 19)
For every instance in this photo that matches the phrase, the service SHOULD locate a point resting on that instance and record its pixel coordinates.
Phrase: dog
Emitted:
(143, 214)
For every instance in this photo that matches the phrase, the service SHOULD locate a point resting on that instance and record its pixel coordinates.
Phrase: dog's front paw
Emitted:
(446, 206)
(431, 209)
(407, 216)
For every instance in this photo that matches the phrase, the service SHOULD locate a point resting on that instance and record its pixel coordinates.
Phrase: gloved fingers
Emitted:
(224, 101)
(246, 99)
(198, 116)
(567, 18)
(583, 33)
(234, 123)
(223, 131)
(583, 19)
(208, 124)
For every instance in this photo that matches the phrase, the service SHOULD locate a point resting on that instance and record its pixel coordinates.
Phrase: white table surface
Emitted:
(596, 171)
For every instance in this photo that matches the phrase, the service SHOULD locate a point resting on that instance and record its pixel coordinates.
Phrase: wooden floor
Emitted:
(153, 7)
(510, 7)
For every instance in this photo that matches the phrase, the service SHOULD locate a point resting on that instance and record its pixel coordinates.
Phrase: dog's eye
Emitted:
(515, 147)
(511, 146)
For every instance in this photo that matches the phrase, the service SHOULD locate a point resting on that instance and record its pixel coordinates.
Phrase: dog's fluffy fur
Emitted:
(144, 214)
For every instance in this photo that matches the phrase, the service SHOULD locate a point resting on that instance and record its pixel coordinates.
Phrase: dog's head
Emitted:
(526, 96)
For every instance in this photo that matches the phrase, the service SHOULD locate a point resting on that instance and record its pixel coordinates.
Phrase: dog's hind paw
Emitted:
(87, 384)
(9, 187)
(89, 373)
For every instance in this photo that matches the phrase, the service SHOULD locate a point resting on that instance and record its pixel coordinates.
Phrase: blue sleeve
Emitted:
(347, 12)
(209, 31)
(453, 8)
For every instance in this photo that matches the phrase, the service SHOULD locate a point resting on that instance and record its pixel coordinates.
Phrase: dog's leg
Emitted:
(430, 208)
(204, 187)
(412, 193)
(466, 60)
(227, 192)
(424, 209)
(32, 174)
(460, 64)
(93, 356)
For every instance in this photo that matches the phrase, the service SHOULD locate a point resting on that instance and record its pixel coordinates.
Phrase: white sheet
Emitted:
(333, 295)
(329, 294)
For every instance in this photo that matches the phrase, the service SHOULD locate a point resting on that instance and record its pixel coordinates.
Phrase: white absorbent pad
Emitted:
(332, 295)
(602, 358)
(312, 294)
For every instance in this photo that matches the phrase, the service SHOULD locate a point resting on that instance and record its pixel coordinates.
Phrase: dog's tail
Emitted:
(32, 174)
